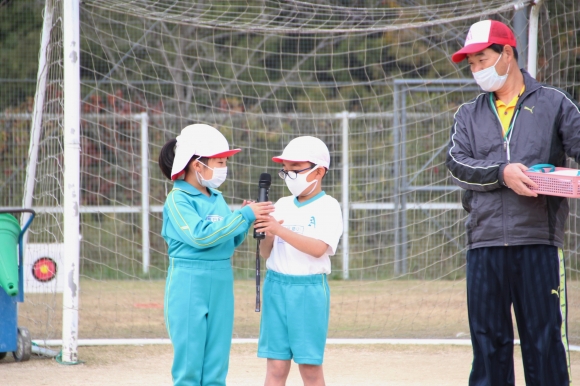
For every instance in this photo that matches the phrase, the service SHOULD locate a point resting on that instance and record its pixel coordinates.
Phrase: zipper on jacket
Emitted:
(493, 108)
(507, 137)
(506, 140)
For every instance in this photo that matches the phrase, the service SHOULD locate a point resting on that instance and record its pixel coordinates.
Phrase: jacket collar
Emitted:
(531, 86)
(190, 189)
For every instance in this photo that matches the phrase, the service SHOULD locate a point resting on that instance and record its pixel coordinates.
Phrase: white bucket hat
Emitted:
(201, 140)
(305, 149)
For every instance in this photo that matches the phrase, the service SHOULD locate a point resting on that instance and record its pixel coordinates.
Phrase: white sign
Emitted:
(43, 271)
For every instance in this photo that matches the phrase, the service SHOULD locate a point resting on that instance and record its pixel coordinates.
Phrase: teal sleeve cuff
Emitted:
(248, 213)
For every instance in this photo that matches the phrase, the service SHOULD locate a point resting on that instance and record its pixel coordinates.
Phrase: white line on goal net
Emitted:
(413, 342)
(159, 208)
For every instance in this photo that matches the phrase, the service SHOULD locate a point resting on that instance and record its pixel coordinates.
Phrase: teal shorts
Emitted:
(295, 313)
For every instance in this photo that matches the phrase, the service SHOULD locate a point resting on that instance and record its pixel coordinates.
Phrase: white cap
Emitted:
(202, 140)
(305, 149)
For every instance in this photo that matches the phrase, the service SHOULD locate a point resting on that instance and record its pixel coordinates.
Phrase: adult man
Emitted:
(514, 236)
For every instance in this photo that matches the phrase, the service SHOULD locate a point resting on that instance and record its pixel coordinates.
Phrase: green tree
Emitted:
(20, 30)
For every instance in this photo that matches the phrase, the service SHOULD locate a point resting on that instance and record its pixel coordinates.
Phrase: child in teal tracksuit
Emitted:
(201, 233)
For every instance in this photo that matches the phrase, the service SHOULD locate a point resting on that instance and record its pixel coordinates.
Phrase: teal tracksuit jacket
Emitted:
(201, 233)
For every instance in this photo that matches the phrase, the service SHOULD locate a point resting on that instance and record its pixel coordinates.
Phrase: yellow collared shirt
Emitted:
(506, 112)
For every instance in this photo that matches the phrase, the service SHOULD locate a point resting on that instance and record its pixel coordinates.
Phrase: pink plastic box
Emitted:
(556, 185)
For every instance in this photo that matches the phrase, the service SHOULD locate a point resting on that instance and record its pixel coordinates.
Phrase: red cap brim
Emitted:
(280, 160)
(225, 154)
(277, 159)
(470, 49)
(176, 176)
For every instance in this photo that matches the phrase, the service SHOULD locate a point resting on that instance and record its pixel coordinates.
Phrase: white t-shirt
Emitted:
(319, 218)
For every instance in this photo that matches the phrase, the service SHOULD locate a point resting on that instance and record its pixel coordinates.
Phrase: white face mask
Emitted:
(489, 80)
(299, 184)
(218, 177)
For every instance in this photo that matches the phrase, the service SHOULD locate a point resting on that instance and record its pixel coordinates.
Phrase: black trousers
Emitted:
(533, 279)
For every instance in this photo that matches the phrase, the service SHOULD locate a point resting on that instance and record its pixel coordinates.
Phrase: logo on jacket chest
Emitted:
(213, 217)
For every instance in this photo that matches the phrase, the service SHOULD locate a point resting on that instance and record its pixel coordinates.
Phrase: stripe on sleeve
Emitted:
(461, 163)
(182, 223)
(563, 310)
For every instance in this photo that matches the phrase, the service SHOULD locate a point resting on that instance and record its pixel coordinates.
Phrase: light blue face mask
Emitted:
(489, 80)
(218, 177)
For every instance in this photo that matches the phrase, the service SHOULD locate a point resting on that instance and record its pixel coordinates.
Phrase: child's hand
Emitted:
(261, 210)
(270, 226)
(247, 202)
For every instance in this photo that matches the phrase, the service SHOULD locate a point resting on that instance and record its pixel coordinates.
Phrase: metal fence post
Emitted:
(533, 38)
(145, 190)
(404, 184)
(396, 174)
(345, 196)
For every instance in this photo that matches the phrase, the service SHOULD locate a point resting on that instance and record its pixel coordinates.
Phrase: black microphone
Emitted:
(264, 188)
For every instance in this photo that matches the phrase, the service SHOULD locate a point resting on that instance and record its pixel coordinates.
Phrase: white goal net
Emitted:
(372, 79)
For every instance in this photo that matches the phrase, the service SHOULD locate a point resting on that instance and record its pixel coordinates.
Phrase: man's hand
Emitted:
(516, 180)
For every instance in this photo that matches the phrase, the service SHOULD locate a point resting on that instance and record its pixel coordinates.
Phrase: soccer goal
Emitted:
(372, 79)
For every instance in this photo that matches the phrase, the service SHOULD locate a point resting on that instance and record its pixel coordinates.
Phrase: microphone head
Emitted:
(265, 180)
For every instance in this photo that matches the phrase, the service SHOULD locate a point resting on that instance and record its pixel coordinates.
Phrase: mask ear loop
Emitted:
(313, 187)
(198, 174)
(315, 180)
(205, 165)
(508, 70)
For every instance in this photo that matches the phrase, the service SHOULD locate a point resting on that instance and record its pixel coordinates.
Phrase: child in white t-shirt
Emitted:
(301, 235)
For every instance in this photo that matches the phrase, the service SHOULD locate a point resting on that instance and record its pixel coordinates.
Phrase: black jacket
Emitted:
(545, 130)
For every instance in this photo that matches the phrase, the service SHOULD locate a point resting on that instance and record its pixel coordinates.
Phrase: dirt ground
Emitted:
(344, 365)
(383, 309)
(380, 309)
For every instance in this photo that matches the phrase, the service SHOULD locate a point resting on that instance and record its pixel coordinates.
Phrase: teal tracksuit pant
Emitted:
(199, 316)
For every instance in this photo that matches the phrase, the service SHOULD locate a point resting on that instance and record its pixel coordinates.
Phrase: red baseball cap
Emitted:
(482, 35)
